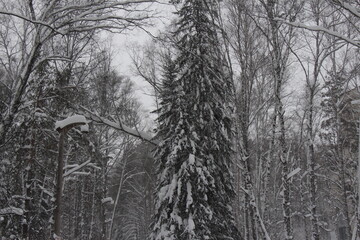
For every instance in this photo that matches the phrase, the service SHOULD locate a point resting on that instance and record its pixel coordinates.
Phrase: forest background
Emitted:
(294, 68)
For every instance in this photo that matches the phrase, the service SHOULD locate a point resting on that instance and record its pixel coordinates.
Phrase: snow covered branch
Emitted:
(70, 122)
(11, 210)
(347, 7)
(30, 20)
(76, 168)
(120, 126)
(354, 42)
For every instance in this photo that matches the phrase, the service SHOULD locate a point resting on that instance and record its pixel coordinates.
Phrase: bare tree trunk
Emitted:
(279, 59)
(310, 151)
(103, 192)
(21, 86)
(59, 185)
(30, 178)
(285, 170)
(93, 207)
(312, 176)
(122, 180)
(358, 185)
(268, 160)
(345, 198)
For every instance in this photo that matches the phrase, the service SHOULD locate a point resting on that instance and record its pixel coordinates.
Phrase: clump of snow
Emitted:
(195, 135)
(75, 119)
(293, 173)
(165, 234)
(40, 114)
(84, 128)
(161, 195)
(191, 159)
(189, 199)
(191, 224)
(175, 215)
(56, 237)
(107, 200)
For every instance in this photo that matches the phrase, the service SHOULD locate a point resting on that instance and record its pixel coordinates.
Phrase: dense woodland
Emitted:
(254, 133)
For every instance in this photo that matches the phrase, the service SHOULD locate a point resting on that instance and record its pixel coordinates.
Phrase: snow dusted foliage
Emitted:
(195, 183)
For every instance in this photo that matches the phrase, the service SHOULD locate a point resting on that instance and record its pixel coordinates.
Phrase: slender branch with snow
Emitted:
(354, 42)
(120, 126)
(76, 168)
(348, 7)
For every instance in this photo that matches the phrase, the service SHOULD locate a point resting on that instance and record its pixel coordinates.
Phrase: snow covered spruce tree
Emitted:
(195, 183)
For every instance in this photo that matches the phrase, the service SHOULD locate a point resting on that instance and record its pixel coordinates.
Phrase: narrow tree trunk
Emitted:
(267, 165)
(311, 169)
(358, 184)
(122, 178)
(103, 195)
(345, 201)
(30, 175)
(285, 171)
(59, 185)
(279, 59)
(93, 207)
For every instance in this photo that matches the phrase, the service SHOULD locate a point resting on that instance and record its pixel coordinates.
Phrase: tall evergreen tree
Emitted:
(195, 183)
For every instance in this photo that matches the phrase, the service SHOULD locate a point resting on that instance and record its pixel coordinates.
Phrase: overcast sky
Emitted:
(121, 48)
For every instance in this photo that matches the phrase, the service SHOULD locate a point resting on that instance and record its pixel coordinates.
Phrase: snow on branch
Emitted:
(356, 43)
(348, 7)
(30, 20)
(70, 121)
(82, 173)
(120, 126)
(293, 173)
(94, 15)
(76, 168)
(95, 7)
(107, 200)
(11, 210)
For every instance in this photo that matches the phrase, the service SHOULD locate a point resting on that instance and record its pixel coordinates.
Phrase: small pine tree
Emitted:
(195, 183)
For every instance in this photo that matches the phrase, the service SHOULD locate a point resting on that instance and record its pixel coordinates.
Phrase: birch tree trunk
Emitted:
(121, 182)
(312, 88)
(280, 56)
(245, 41)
